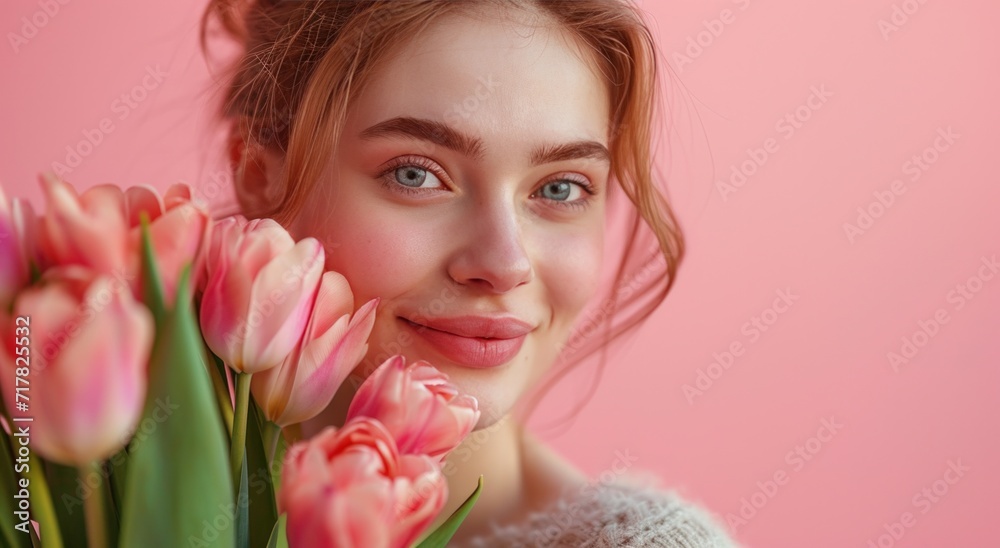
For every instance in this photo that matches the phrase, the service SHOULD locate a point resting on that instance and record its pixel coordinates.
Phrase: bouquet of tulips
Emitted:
(155, 363)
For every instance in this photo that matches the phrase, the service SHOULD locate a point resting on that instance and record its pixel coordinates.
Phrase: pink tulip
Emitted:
(418, 404)
(100, 229)
(89, 230)
(90, 342)
(141, 198)
(259, 292)
(179, 231)
(351, 487)
(333, 344)
(17, 247)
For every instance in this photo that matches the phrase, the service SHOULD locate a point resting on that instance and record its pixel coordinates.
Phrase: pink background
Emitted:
(824, 357)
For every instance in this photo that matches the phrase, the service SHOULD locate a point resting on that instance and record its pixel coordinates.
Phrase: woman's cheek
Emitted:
(374, 251)
(570, 270)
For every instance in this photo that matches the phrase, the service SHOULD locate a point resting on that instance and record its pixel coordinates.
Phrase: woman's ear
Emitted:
(256, 176)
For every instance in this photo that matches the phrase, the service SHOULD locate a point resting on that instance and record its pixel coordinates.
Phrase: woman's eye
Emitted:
(561, 191)
(412, 176)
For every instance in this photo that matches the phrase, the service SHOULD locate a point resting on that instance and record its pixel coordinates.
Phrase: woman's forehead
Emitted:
(489, 78)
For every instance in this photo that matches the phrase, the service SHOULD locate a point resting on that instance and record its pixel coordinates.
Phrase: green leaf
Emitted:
(278, 537)
(242, 515)
(278, 463)
(217, 372)
(152, 284)
(179, 486)
(263, 510)
(118, 470)
(42, 507)
(440, 537)
(9, 487)
(112, 513)
(68, 495)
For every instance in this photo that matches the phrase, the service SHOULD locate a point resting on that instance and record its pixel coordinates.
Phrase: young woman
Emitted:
(461, 161)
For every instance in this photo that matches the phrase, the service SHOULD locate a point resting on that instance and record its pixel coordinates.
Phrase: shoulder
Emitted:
(624, 513)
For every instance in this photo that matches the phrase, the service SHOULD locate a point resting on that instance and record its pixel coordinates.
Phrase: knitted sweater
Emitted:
(605, 515)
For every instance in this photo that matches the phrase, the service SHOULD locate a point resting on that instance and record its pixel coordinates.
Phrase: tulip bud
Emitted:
(17, 247)
(418, 405)
(260, 289)
(89, 230)
(179, 232)
(90, 343)
(333, 344)
(178, 237)
(350, 487)
(100, 229)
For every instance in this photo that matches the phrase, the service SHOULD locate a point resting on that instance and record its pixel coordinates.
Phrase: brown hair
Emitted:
(302, 61)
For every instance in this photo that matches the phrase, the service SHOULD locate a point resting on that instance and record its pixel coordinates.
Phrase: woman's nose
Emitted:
(492, 253)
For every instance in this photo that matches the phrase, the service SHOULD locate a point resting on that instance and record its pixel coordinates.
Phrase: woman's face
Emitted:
(468, 193)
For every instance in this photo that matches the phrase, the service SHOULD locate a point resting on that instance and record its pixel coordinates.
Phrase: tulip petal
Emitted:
(49, 329)
(141, 198)
(93, 344)
(350, 487)
(285, 290)
(102, 376)
(221, 245)
(325, 362)
(89, 230)
(177, 237)
(262, 241)
(223, 240)
(333, 299)
(225, 303)
(418, 405)
(176, 194)
(105, 200)
(305, 382)
(17, 246)
(379, 383)
(420, 498)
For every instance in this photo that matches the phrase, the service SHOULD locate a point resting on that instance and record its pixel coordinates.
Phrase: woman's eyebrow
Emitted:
(448, 137)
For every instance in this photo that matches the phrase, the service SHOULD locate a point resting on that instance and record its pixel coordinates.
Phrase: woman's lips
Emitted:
(475, 352)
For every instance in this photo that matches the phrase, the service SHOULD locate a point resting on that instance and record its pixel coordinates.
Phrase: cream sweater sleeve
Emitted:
(613, 515)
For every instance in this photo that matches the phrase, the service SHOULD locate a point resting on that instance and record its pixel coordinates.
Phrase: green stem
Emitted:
(221, 390)
(271, 434)
(41, 503)
(93, 507)
(239, 440)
